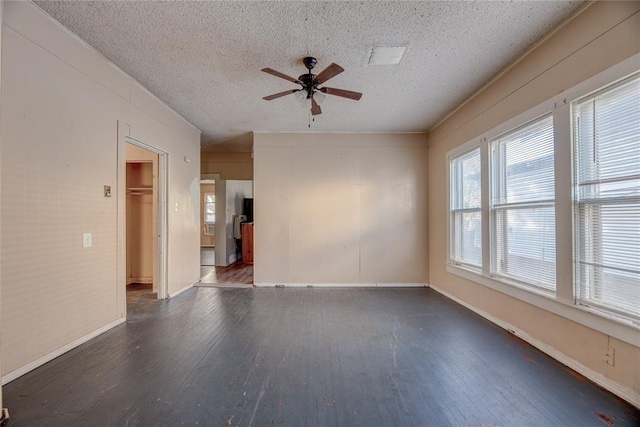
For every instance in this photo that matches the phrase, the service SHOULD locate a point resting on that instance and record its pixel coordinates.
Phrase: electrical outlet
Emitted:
(86, 240)
(609, 355)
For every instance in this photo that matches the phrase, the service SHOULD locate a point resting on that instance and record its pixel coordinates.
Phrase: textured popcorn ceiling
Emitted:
(204, 58)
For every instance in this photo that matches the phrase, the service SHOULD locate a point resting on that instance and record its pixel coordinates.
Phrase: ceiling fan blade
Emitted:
(282, 76)
(315, 108)
(341, 92)
(328, 73)
(278, 95)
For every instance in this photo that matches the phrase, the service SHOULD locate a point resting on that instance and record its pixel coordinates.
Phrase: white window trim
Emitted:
(561, 302)
(451, 212)
(204, 208)
(493, 207)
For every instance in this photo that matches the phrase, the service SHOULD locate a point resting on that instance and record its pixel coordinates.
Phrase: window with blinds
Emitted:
(209, 208)
(606, 133)
(466, 218)
(522, 204)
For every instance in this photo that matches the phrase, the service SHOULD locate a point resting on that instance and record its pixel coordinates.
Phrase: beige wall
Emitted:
(228, 164)
(603, 35)
(205, 239)
(61, 103)
(340, 208)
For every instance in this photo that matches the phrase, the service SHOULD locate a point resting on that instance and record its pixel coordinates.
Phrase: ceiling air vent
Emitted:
(386, 55)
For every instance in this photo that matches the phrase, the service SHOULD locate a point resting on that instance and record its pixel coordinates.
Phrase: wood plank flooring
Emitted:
(235, 274)
(308, 357)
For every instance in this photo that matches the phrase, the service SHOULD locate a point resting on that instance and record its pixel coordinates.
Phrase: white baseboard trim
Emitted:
(7, 378)
(181, 290)
(604, 382)
(341, 285)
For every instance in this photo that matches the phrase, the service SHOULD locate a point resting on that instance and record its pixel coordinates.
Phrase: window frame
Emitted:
(595, 203)
(563, 301)
(504, 207)
(205, 203)
(453, 237)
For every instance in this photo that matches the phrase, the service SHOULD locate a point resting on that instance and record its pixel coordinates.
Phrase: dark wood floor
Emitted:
(308, 357)
(237, 274)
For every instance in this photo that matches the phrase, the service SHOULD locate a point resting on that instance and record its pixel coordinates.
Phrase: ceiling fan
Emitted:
(310, 83)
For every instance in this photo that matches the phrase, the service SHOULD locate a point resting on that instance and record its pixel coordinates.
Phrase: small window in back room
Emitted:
(209, 212)
(523, 205)
(606, 134)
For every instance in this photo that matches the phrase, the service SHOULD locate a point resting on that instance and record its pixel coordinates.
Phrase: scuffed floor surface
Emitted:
(234, 274)
(308, 357)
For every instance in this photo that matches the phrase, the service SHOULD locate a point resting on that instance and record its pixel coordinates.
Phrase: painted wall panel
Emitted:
(143, 100)
(324, 221)
(272, 213)
(598, 38)
(61, 103)
(53, 193)
(392, 183)
(340, 208)
(52, 37)
(228, 164)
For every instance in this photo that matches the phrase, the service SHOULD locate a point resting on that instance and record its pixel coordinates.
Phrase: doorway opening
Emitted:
(141, 208)
(208, 223)
(141, 216)
(226, 241)
(142, 222)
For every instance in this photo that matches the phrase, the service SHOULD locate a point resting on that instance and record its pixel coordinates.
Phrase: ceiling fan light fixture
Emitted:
(386, 55)
(301, 98)
(312, 90)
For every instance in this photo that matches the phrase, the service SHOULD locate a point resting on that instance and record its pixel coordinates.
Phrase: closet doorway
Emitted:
(141, 207)
(144, 263)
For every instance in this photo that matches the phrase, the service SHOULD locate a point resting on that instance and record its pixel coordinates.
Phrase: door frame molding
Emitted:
(221, 226)
(162, 271)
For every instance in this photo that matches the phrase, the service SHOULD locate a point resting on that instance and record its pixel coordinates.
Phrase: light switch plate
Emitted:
(86, 240)
(107, 191)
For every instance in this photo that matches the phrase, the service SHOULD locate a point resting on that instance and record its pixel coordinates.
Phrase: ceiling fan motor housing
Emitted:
(309, 62)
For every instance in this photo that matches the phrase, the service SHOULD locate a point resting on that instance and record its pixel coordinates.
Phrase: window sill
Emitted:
(599, 320)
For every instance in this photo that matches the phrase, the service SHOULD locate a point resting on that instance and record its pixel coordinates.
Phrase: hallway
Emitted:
(308, 357)
(237, 274)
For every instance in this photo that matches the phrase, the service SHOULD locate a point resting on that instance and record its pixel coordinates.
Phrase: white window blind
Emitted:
(209, 208)
(466, 218)
(522, 205)
(607, 215)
